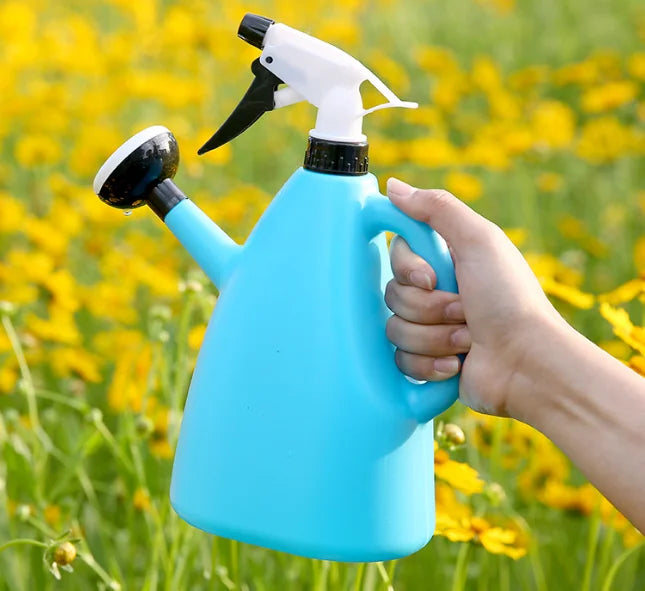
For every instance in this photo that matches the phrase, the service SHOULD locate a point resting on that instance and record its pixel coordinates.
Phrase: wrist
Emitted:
(548, 365)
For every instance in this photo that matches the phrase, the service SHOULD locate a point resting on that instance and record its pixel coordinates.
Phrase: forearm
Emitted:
(593, 408)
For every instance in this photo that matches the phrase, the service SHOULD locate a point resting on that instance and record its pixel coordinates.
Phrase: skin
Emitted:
(524, 361)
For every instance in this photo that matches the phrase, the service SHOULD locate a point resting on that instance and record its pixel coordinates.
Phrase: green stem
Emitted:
(22, 541)
(113, 445)
(459, 581)
(390, 570)
(88, 559)
(235, 565)
(30, 391)
(609, 579)
(592, 544)
(359, 576)
(78, 405)
(499, 431)
(605, 551)
(182, 372)
(385, 576)
(214, 553)
(504, 575)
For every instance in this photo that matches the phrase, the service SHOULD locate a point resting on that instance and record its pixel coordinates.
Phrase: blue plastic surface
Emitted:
(300, 433)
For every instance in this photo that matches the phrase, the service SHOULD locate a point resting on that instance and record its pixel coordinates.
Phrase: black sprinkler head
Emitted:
(139, 172)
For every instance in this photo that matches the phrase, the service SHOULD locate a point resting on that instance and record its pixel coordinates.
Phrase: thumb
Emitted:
(457, 224)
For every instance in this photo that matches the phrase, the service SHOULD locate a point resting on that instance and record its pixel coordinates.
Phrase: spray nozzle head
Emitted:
(253, 28)
(311, 70)
(139, 172)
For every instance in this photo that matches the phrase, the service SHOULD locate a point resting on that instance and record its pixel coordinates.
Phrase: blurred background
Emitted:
(531, 111)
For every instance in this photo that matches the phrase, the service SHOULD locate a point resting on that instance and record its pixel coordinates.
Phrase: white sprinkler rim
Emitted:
(123, 151)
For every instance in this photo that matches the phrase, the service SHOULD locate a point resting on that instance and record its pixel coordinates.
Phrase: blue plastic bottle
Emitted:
(299, 432)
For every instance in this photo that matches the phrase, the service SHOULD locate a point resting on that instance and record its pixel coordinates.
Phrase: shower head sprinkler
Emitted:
(140, 172)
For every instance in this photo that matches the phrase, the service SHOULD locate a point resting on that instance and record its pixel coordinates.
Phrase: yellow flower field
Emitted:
(532, 111)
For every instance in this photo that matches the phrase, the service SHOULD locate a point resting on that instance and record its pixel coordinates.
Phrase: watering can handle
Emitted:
(424, 400)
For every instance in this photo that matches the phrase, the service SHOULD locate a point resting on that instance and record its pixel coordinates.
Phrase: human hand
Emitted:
(499, 316)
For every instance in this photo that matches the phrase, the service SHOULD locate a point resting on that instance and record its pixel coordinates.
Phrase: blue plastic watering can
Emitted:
(299, 432)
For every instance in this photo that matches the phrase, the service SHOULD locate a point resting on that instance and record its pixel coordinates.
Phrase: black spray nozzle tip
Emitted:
(253, 28)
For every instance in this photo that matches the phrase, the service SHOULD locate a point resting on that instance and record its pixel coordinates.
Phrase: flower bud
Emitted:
(7, 308)
(23, 512)
(94, 416)
(144, 426)
(495, 494)
(454, 434)
(64, 554)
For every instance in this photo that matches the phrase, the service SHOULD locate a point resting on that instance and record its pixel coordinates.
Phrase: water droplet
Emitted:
(127, 212)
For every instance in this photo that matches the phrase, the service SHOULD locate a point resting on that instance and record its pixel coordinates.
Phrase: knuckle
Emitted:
(428, 306)
(442, 198)
(422, 367)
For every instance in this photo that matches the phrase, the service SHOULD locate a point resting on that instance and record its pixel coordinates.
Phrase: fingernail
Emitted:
(398, 188)
(447, 365)
(421, 279)
(461, 338)
(454, 311)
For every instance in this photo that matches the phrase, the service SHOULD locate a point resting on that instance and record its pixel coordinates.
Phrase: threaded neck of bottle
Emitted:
(336, 157)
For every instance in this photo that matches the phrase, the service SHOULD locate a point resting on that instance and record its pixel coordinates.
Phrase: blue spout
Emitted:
(211, 248)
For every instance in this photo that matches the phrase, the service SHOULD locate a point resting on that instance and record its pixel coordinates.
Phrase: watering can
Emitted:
(299, 433)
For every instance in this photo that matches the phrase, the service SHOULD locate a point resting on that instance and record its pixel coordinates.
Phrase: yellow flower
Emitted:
(389, 70)
(516, 235)
(159, 444)
(556, 494)
(609, 96)
(502, 541)
(46, 235)
(623, 328)
(36, 150)
(465, 186)
(549, 182)
(448, 91)
(624, 293)
(110, 299)
(616, 348)
(459, 475)
(432, 151)
(436, 60)
(573, 228)
(569, 294)
(130, 380)
(51, 514)
(66, 361)
(8, 378)
(583, 73)
(13, 213)
(485, 75)
(636, 65)
(495, 540)
(603, 140)
(196, 336)
(553, 124)
(141, 500)
(447, 503)
(490, 153)
(60, 327)
(546, 265)
(529, 77)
